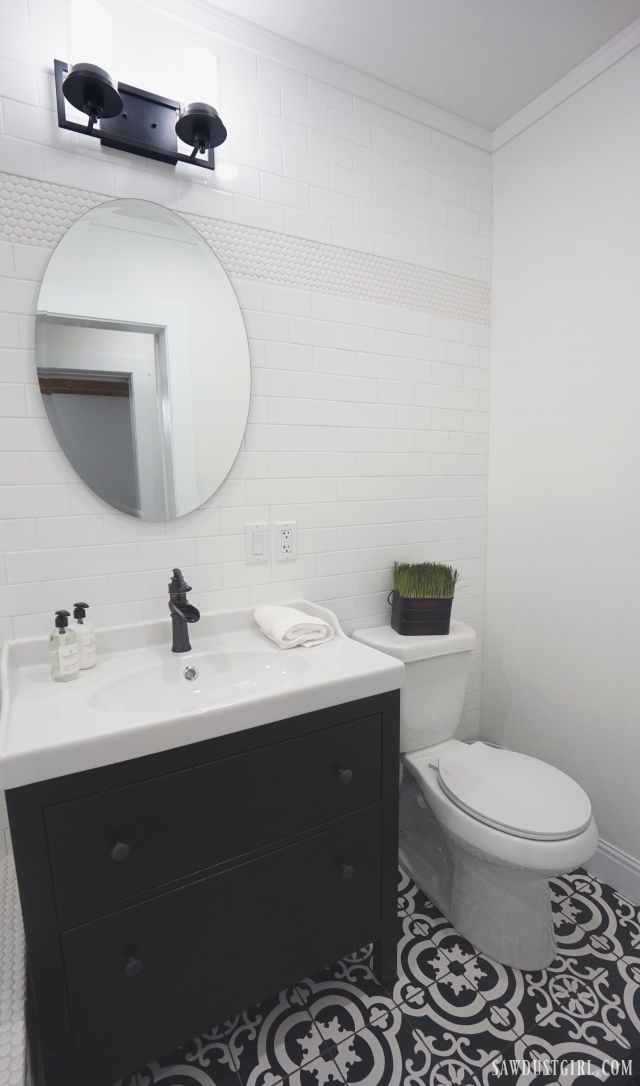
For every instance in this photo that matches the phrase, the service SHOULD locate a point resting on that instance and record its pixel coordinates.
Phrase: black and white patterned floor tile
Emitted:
(454, 1017)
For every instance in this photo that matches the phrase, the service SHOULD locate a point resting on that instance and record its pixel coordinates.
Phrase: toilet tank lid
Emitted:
(461, 638)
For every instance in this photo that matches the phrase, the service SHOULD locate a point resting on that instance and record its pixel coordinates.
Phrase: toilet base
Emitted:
(504, 911)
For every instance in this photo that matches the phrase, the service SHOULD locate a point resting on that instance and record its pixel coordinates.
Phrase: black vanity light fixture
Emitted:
(136, 120)
(129, 118)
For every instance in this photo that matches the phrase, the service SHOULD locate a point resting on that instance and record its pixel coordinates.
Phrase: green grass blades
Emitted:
(424, 580)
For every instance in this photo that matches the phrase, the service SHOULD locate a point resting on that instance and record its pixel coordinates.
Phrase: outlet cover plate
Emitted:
(286, 538)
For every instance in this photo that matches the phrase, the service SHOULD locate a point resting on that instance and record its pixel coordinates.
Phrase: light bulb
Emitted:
(200, 77)
(90, 35)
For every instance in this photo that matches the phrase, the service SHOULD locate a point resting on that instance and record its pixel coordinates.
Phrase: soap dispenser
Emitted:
(63, 650)
(86, 635)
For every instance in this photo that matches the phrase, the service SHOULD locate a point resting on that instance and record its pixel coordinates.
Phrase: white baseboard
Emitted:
(618, 869)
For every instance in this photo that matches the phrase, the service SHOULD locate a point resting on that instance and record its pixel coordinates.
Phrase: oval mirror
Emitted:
(143, 359)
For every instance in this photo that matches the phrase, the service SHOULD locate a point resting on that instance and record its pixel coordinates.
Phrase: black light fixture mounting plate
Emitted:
(146, 126)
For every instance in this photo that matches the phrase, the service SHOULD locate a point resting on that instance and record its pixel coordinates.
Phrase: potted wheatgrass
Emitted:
(421, 597)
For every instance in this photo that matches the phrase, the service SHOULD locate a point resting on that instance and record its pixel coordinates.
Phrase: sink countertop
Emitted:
(136, 701)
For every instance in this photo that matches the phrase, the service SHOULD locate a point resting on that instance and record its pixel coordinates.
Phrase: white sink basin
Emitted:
(220, 679)
(137, 701)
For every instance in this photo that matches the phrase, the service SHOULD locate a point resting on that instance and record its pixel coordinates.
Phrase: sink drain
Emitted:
(190, 673)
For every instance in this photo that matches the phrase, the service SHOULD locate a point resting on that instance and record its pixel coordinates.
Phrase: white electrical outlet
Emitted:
(286, 536)
(256, 543)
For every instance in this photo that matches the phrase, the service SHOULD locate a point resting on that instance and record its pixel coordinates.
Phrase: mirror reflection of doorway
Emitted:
(104, 390)
(91, 414)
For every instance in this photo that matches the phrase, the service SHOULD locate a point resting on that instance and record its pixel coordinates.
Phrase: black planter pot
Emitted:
(423, 616)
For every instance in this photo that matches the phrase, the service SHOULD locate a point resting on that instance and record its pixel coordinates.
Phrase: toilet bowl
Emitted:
(481, 828)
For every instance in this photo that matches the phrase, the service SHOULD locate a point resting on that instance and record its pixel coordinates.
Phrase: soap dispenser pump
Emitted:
(63, 650)
(86, 635)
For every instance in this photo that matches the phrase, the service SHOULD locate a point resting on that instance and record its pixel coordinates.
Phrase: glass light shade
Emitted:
(200, 77)
(90, 34)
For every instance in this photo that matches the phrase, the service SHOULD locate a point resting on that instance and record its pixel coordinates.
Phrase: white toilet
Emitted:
(481, 829)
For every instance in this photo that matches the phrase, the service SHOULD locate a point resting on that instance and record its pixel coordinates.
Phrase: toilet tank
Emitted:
(436, 672)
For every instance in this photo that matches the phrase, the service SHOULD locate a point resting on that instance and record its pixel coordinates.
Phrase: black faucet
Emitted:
(181, 612)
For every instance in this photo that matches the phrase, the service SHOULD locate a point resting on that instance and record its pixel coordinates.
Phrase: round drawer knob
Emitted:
(344, 776)
(348, 871)
(120, 852)
(132, 968)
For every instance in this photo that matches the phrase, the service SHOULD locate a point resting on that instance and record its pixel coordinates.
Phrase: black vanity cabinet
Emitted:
(165, 894)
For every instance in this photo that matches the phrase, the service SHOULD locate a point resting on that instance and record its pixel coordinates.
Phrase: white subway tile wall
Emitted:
(369, 415)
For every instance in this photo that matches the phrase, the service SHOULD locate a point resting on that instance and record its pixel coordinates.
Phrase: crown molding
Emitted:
(614, 50)
(246, 35)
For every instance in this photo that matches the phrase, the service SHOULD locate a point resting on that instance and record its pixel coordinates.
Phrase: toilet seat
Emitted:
(498, 844)
(515, 793)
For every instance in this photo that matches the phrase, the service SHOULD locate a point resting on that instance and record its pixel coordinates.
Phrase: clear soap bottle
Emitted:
(63, 650)
(86, 635)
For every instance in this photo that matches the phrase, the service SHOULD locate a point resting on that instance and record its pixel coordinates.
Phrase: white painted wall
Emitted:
(562, 653)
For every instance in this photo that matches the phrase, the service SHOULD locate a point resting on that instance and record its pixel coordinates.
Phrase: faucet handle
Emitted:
(178, 583)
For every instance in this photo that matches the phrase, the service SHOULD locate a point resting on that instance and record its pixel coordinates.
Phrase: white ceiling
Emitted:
(483, 60)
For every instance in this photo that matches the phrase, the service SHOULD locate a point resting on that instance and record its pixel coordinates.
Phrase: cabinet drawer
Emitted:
(229, 954)
(107, 847)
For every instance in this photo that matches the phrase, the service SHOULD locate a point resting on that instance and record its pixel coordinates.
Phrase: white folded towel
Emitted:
(289, 627)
